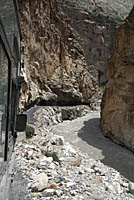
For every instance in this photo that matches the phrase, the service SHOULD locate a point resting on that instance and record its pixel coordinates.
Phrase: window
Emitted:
(8, 15)
(3, 99)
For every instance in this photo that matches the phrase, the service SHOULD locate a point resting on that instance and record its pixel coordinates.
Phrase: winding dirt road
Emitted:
(85, 134)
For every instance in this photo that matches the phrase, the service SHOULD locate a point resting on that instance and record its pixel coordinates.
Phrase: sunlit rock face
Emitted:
(117, 116)
(55, 70)
(65, 43)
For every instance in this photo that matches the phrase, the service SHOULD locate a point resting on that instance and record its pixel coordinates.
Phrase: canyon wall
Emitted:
(95, 22)
(117, 115)
(65, 43)
(115, 9)
(55, 71)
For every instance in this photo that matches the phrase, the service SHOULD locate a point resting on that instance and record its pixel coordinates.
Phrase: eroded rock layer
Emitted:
(55, 71)
(117, 116)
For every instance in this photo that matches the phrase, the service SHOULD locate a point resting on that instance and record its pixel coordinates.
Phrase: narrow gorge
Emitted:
(73, 53)
(67, 47)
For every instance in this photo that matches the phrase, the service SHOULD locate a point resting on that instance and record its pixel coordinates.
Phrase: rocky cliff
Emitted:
(95, 22)
(116, 9)
(65, 43)
(55, 70)
(117, 116)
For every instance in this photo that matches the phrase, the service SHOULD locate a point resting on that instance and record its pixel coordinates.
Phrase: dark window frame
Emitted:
(16, 51)
(6, 47)
(17, 16)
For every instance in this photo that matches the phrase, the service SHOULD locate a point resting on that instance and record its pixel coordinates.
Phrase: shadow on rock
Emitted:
(114, 155)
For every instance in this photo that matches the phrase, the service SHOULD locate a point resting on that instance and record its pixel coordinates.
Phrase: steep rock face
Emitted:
(55, 70)
(96, 36)
(117, 116)
(95, 22)
(116, 9)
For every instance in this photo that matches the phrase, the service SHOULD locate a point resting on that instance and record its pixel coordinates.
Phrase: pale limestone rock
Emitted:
(30, 153)
(118, 188)
(41, 182)
(110, 188)
(57, 140)
(49, 192)
(52, 166)
(59, 193)
(46, 160)
(70, 184)
(69, 149)
(76, 162)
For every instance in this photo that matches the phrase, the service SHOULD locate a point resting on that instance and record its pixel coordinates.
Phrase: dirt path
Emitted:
(85, 133)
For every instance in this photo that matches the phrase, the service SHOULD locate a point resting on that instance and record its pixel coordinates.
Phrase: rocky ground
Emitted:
(85, 133)
(50, 168)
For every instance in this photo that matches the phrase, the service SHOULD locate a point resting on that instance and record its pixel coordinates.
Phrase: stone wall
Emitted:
(117, 116)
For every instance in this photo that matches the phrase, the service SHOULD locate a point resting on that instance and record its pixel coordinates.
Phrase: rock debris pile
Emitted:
(55, 170)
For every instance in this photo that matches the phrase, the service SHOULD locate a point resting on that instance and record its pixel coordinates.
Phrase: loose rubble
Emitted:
(75, 177)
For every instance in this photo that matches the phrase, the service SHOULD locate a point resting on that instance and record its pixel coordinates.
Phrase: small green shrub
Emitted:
(22, 80)
(54, 156)
(29, 131)
(42, 86)
(102, 88)
(117, 20)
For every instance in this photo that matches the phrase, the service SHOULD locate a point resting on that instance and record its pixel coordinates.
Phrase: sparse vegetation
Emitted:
(112, 19)
(102, 88)
(22, 80)
(29, 131)
(116, 20)
(42, 86)
(54, 156)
